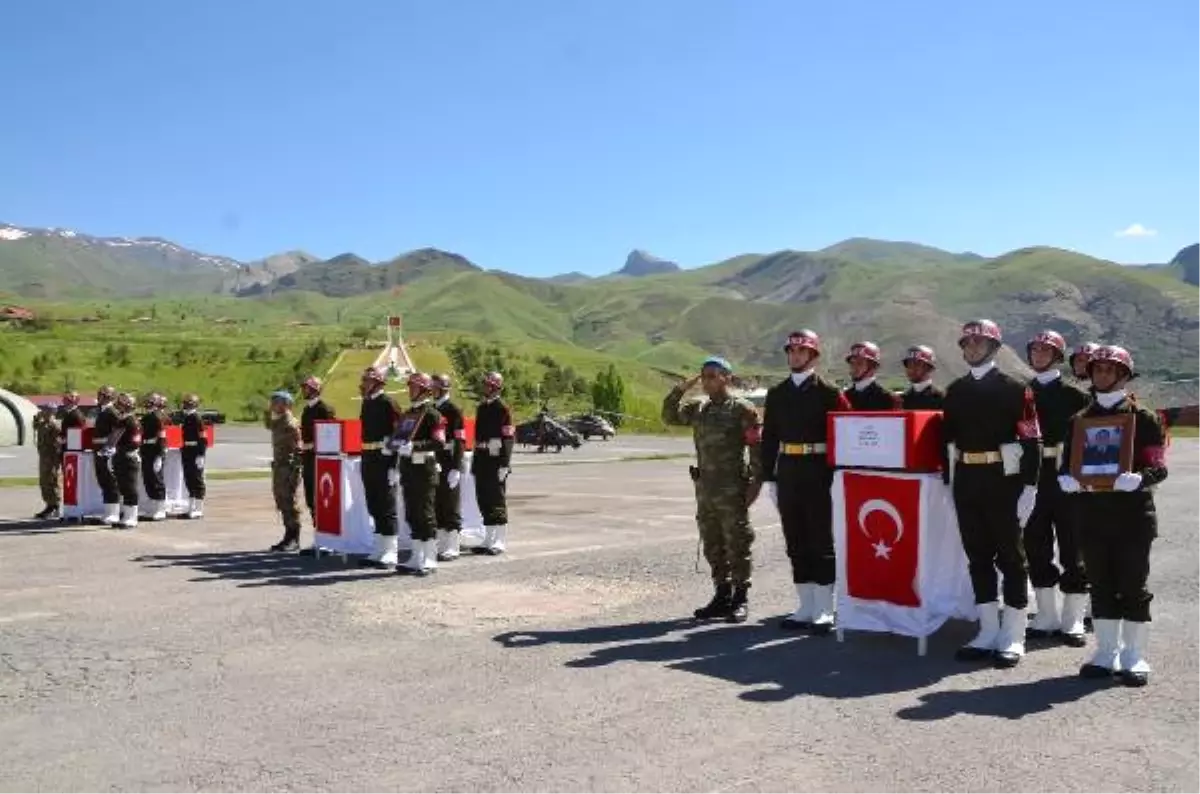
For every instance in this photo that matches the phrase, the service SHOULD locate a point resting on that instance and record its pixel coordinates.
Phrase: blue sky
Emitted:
(543, 136)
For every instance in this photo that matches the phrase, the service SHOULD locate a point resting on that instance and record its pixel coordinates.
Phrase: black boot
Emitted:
(719, 606)
(290, 542)
(739, 610)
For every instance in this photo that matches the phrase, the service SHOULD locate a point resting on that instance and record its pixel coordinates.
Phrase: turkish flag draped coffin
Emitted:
(901, 566)
(328, 495)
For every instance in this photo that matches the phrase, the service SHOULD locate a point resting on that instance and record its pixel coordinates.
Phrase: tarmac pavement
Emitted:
(181, 657)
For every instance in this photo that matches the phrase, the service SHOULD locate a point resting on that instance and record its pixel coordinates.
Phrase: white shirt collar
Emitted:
(860, 385)
(1110, 399)
(1049, 376)
(443, 400)
(314, 401)
(798, 378)
(922, 385)
(983, 369)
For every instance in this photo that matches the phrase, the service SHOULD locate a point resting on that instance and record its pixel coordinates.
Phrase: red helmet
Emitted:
(1086, 351)
(421, 381)
(922, 353)
(125, 401)
(867, 350)
(985, 328)
(375, 375)
(190, 401)
(441, 381)
(105, 393)
(1114, 353)
(1051, 338)
(803, 340)
(311, 386)
(494, 379)
(70, 399)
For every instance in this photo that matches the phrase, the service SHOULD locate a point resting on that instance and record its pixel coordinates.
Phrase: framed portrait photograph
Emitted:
(1101, 449)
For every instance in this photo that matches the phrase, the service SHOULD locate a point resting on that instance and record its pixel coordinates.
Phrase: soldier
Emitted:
(125, 443)
(723, 428)
(450, 458)
(380, 417)
(285, 468)
(1056, 401)
(1121, 525)
(921, 394)
(195, 445)
(798, 478)
(1079, 360)
(154, 455)
(421, 435)
(994, 450)
(47, 431)
(865, 393)
(494, 433)
(102, 431)
(315, 409)
(71, 415)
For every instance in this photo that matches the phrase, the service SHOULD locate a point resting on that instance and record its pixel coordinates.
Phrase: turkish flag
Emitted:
(71, 478)
(327, 496)
(883, 536)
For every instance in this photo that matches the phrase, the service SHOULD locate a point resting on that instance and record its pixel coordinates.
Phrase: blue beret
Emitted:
(286, 396)
(718, 362)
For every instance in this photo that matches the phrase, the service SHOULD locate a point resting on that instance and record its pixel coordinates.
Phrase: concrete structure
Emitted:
(16, 420)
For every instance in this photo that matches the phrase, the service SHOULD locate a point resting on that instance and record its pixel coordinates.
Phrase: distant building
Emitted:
(16, 314)
(16, 420)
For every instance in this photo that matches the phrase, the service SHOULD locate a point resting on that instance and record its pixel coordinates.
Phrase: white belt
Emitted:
(419, 458)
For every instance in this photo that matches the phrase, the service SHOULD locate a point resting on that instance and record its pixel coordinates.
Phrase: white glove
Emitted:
(1127, 481)
(773, 493)
(404, 449)
(504, 473)
(1025, 505)
(453, 477)
(1069, 484)
(393, 477)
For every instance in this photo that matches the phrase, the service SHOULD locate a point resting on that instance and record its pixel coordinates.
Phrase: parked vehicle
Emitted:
(588, 425)
(544, 433)
(209, 416)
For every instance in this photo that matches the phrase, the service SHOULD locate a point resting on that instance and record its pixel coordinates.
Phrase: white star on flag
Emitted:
(882, 550)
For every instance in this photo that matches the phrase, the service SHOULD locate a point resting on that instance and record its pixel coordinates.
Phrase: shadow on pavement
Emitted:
(1008, 701)
(264, 568)
(39, 526)
(775, 665)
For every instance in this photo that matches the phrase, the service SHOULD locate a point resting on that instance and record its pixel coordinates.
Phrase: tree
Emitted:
(608, 395)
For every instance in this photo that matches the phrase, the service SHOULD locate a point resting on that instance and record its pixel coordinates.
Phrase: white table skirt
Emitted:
(89, 502)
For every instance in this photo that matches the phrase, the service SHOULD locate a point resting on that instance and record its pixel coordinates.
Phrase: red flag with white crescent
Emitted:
(71, 479)
(327, 496)
(883, 535)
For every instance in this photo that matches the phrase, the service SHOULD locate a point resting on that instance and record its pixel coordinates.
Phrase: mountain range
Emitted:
(896, 293)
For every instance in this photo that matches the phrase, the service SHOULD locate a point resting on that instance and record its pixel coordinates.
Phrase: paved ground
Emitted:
(242, 447)
(179, 657)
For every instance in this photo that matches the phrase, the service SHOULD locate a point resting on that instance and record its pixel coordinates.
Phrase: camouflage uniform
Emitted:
(48, 432)
(285, 472)
(722, 429)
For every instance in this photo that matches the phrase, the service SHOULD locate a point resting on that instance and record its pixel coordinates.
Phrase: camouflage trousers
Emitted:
(285, 484)
(50, 479)
(725, 531)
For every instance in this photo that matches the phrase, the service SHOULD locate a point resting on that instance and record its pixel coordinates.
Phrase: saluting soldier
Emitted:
(798, 478)
(724, 427)
(994, 451)
(380, 417)
(47, 431)
(285, 468)
(126, 444)
(1119, 525)
(315, 410)
(450, 458)
(922, 394)
(420, 436)
(1053, 519)
(864, 393)
(195, 448)
(154, 455)
(102, 433)
(490, 465)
